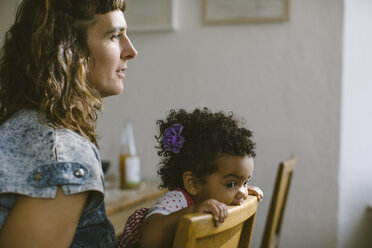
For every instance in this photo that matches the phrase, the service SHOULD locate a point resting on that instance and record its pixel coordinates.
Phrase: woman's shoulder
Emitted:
(26, 129)
(24, 137)
(35, 158)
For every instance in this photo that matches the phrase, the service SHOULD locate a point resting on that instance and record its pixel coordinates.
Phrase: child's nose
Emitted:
(242, 193)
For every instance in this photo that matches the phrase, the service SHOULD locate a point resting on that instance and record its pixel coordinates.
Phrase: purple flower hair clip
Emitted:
(173, 140)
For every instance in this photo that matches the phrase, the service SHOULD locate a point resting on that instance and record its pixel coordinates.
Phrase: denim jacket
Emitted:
(36, 158)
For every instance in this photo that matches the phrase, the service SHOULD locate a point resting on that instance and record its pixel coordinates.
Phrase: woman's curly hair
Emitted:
(208, 136)
(44, 62)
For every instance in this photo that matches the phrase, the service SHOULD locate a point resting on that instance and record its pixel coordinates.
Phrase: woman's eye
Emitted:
(231, 185)
(115, 37)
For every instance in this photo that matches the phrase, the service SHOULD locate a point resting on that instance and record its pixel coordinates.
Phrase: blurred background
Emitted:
(303, 86)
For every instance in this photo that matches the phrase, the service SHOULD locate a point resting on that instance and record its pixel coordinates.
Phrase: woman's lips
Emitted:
(120, 73)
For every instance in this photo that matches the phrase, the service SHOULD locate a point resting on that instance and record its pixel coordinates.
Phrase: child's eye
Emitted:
(246, 183)
(231, 185)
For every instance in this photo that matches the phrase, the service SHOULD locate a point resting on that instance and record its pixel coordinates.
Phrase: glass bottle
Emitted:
(129, 162)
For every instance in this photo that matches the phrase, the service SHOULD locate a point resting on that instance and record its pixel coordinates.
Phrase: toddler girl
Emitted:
(206, 164)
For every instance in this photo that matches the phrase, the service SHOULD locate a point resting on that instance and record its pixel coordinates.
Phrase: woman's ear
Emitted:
(191, 183)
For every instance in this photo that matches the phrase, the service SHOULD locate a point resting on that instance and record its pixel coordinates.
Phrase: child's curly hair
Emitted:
(208, 136)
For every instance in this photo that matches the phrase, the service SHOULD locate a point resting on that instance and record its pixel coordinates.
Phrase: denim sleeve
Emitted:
(85, 172)
(35, 159)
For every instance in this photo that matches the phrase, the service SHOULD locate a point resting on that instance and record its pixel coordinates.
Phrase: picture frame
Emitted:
(150, 15)
(245, 11)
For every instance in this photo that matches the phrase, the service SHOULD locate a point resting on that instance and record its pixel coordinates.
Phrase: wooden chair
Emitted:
(277, 205)
(198, 230)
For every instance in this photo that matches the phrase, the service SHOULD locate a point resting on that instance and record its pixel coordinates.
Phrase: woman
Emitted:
(59, 59)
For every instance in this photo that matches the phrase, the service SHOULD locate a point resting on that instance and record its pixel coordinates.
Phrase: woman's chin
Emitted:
(112, 92)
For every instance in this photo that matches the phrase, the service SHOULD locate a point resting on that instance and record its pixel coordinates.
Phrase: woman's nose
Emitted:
(128, 52)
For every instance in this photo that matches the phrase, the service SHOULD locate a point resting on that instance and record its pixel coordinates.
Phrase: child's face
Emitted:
(229, 184)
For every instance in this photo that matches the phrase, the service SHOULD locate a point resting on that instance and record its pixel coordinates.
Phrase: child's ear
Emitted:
(191, 183)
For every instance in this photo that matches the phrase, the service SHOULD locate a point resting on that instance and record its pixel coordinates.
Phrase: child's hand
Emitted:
(254, 190)
(216, 208)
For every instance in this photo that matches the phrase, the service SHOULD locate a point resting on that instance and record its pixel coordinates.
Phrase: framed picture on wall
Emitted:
(240, 11)
(150, 15)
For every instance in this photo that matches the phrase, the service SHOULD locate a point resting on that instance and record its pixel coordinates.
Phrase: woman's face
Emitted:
(111, 49)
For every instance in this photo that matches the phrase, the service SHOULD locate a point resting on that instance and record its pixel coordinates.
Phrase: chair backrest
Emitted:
(198, 230)
(277, 205)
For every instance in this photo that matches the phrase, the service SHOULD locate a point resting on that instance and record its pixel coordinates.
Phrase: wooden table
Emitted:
(120, 204)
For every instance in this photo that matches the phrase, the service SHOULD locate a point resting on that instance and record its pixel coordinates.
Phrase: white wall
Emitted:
(356, 133)
(7, 14)
(284, 78)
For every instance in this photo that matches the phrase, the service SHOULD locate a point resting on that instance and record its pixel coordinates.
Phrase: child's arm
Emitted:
(159, 230)
(254, 190)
